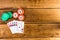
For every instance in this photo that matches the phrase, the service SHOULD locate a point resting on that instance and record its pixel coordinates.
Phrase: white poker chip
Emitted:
(15, 15)
(21, 17)
(20, 11)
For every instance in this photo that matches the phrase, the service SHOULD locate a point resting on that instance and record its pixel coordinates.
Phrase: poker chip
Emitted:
(21, 17)
(20, 11)
(15, 15)
(10, 14)
(5, 17)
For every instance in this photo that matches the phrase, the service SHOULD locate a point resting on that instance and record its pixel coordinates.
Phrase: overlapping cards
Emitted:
(16, 26)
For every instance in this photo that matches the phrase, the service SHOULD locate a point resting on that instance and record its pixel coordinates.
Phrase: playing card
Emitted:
(9, 23)
(14, 22)
(14, 29)
(16, 26)
(21, 26)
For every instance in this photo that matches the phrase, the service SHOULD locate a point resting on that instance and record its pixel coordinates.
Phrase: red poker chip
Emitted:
(15, 15)
(20, 11)
(21, 17)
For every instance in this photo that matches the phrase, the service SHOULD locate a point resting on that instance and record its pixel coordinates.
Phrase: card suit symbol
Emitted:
(22, 30)
(19, 27)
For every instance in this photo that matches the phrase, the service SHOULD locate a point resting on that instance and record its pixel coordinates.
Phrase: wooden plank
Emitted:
(43, 38)
(42, 15)
(39, 16)
(32, 31)
(30, 3)
(28, 39)
(31, 39)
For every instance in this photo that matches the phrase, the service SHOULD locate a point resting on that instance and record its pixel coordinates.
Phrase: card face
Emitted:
(16, 26)
(14, 29)
(21, 26)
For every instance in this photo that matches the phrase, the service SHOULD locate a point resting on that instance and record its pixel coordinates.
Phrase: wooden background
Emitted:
(42, 20)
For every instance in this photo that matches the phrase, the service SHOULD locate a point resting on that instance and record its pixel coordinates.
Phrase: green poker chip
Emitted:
(10, 14)
(5, 17)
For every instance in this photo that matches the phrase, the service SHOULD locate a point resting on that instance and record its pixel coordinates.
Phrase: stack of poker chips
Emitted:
(6, 15)
(19, 14)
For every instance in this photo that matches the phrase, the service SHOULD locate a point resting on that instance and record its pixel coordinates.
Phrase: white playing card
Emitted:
(14, 29)
(14, 22)
(9, 23)
(16, 26)
(21, 26)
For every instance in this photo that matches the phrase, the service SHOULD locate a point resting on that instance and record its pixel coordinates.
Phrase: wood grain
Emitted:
(30, 3)
(41, 19)
(38, 16)
(32, 31)
(32, 39)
